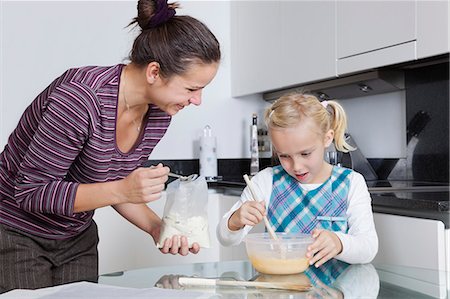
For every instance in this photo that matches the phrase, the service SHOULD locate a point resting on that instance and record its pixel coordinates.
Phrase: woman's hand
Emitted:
(325, 246)
(174, 245)
(250, 213)
(179, 245)
(144, 184)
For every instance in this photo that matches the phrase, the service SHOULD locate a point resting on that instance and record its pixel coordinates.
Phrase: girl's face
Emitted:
(301, 151)
(179, 91)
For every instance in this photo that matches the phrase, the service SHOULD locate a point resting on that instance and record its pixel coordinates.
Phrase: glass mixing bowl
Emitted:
(287, 255)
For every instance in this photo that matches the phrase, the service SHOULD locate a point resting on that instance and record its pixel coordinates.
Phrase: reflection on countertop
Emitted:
(335, 279)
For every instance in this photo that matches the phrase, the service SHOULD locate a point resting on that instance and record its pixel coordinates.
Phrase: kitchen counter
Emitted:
(413, 199)
(333, 279)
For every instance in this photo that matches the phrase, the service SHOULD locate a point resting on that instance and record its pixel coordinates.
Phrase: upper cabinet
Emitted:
(374, 33)
(280, 43)
(432, 28)
(255, 32)
(307, 47)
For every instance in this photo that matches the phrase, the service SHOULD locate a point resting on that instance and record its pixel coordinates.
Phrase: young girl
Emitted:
(305, 194)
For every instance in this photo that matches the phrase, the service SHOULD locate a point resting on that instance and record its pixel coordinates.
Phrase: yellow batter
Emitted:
(279, 266)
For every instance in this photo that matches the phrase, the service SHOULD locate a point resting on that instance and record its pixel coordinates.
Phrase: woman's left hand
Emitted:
(325, 246)
(174, 245)
(179, 245)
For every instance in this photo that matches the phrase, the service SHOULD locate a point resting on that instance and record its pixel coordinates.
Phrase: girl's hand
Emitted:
(326, 246)
(179, 245)
(250, 213)
(144, 184)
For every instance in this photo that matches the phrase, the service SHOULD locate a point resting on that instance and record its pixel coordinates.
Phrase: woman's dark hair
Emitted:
(174, 43)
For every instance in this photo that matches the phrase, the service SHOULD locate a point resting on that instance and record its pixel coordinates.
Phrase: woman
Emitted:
(78, 147)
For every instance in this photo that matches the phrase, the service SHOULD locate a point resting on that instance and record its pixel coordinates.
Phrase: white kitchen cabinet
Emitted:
(255, 42)
(447, 256)
(374, 33)
(230, 253)
(238, 252)
(307, 49)
(275, 44)
(432, 28)
(412, 243)
(280, 44)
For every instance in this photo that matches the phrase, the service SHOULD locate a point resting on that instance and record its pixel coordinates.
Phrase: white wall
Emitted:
(41, 39)
(378, 124)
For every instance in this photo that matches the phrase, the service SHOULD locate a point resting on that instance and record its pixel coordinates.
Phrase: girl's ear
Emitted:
(152, 72)
(328, 139)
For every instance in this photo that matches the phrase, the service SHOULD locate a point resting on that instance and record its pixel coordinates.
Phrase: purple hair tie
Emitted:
(163, 14)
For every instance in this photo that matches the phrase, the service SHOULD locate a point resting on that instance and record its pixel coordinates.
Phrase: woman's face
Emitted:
(179, 91)
(301, 151)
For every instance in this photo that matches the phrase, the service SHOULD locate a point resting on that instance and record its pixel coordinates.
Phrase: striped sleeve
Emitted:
(67, 121)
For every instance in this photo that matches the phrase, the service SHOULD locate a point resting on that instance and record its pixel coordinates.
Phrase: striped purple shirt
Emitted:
(67, 137)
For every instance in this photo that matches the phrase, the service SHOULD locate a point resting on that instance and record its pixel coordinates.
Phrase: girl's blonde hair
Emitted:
(289, 110)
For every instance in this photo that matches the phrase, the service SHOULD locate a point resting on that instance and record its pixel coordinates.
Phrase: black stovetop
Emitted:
(422, 195)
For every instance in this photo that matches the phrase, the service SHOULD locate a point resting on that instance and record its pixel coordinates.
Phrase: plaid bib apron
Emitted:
(294, 209)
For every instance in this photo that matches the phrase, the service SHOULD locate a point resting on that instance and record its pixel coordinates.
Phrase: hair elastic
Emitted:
(324, 104)
(270, 114)
(162, 14)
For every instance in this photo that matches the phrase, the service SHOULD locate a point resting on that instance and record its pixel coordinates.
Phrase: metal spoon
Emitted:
(189, 178)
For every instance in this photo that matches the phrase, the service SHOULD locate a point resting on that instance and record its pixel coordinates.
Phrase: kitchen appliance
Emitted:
(359, 85)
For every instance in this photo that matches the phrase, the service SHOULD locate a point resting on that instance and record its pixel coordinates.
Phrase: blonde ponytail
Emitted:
(338, 123)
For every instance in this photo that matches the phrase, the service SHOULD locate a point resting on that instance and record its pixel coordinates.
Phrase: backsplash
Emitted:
(377, 124)
(427, 90)
(427, 123)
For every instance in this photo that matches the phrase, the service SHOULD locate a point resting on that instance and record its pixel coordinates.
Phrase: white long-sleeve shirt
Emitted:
(359, 244)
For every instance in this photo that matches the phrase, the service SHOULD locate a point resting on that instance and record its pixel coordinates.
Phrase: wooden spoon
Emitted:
(194, 281)
(266, 221)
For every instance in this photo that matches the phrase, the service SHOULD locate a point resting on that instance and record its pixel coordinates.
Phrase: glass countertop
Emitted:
(335, 279)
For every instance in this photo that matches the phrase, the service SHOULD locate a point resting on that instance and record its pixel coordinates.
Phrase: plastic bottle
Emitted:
(254, 152)
(208, 154)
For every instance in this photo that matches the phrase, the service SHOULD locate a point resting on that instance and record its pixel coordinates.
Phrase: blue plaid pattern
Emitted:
(327, 273)
(294, 209)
